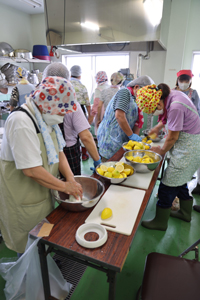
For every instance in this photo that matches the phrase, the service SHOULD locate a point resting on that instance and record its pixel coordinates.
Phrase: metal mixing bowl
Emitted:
(93, 189)
(130, 150)
(143, 167)
(112, 164)
(159, 137)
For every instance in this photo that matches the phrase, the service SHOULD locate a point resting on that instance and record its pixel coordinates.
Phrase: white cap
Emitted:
(56, 69)
(76, 71)
(141, 81)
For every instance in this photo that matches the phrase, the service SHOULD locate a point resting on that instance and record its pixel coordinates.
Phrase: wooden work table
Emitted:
(108, 258)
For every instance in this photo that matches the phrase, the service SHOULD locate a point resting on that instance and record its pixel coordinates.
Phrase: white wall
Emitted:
(15, 28)
(153, 67)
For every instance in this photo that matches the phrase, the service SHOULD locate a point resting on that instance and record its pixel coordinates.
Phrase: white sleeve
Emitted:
(24, 142)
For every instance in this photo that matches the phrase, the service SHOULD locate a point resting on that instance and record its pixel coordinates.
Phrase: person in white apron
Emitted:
(31, 155)
(183, 142)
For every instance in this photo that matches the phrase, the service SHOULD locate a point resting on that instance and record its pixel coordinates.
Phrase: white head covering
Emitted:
(141, 81)
(56, 69)
(76, 71)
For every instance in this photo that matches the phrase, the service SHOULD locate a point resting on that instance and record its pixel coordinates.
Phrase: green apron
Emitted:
(23, 202)
(184, 158)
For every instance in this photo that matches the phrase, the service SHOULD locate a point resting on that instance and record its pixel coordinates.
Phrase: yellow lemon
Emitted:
(101, 172)
(131, 173)
(146, 147)
(108, 174)
(127, 171)
(110, 169)
(128, 147)
(144, 139)
(104, 168)
(119, 168)
(137, 148)
(149, 141)
(115, 174)
(106, 213)
(123, 174)
(119, 163)
(153, 136)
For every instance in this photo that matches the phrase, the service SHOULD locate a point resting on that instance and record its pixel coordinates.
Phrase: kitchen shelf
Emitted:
(22, 60)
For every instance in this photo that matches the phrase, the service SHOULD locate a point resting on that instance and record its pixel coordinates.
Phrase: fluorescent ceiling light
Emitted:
(153, 10)
(33, 3)
(90, 25)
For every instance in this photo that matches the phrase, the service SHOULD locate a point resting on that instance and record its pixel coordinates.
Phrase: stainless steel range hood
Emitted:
(123, 25)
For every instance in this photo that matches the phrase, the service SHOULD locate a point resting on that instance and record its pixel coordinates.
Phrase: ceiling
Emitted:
(24, 7)
(119, 22)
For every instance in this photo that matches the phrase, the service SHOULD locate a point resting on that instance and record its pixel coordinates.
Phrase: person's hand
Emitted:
(96, 163)
(90, 119)
(135, 137)
(153, 131)
(73, 188)
(157, 150)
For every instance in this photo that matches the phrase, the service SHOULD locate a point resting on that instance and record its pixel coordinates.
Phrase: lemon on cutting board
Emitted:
(106, 213)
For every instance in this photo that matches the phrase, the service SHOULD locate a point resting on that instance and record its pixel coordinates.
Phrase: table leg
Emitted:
(112, 284)
(44, 271)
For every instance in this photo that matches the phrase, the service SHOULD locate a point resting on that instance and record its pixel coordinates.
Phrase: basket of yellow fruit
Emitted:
(133, 145)
(114, 172)
(143, 161)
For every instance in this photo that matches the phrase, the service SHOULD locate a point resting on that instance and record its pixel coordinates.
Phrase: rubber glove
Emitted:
(96, 163)
(135, 137)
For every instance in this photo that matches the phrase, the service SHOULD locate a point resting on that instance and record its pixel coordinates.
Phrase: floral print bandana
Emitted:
(101, 77)
(148, 98)
(55, 96)
(117, 78)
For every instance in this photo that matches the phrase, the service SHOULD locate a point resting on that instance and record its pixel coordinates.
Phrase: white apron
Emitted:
(184, 158)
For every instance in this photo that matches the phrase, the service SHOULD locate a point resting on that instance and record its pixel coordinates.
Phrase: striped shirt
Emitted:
(122, 100)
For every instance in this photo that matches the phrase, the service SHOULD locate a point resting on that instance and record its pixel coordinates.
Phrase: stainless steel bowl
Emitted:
(130, 150)
(6, 49)
(93, 189)
(159, 137)
(114, 180)
(143, 167)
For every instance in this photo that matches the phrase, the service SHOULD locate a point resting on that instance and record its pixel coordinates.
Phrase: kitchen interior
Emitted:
(158, 45)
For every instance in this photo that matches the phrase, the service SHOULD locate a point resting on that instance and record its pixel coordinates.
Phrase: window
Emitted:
(196, 72)
(91, 64)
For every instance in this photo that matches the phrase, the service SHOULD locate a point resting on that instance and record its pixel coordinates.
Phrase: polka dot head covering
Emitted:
(101, 77)
(148, 98)
(55, 96)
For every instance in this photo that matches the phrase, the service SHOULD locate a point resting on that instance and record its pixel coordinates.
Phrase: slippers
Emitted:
(85, 157)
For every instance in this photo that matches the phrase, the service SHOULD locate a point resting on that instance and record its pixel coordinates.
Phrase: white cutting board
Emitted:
(125, 204)
(138, 180)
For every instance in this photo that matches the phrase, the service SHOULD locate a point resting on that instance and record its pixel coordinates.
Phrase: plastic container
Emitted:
(41, 52)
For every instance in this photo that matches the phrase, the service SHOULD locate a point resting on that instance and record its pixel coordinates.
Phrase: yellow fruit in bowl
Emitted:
(149, 142)
(100, 171)
(115, 174)
(106, 213)
(119, 168)
(108, 174)
(119, 163)
(127, 171)
(104, 168)
(127, 147)
(123, 174)
(146, 147)
(110, 169)
(137, 148)
(144, 140)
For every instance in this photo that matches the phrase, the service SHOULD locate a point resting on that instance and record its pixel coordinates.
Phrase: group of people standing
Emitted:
(34, 148)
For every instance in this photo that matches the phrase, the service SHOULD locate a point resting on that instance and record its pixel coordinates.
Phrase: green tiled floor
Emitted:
(178, 237)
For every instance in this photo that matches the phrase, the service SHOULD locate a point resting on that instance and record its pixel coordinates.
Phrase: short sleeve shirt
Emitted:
(74, 124)
(179, 117)
(20, 141)
(81, 92)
